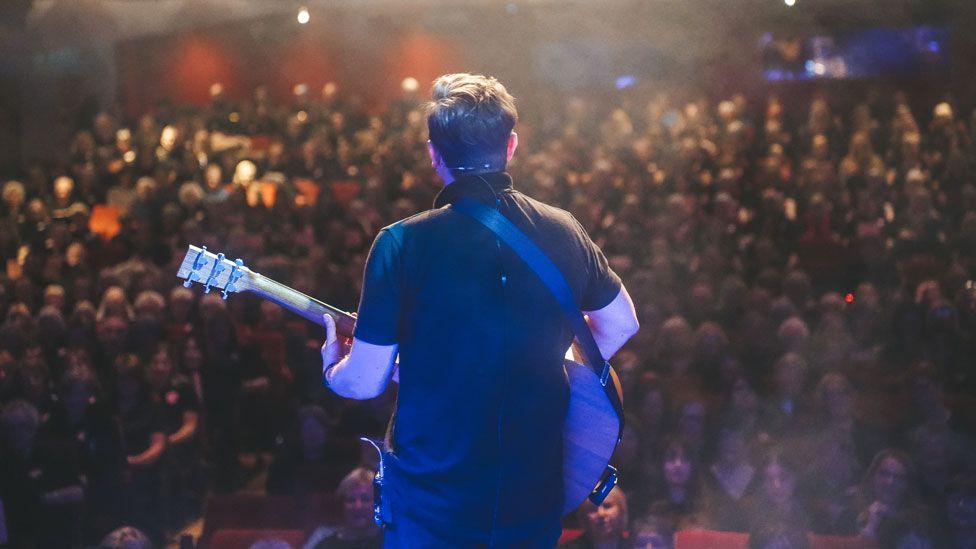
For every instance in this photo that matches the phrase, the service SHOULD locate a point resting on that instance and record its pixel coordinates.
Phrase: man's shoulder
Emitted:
(549, 211)
(415, 221)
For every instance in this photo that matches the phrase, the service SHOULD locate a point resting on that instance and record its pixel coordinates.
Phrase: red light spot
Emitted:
(849, 298)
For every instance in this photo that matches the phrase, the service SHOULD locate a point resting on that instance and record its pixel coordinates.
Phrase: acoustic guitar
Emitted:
(593, 425)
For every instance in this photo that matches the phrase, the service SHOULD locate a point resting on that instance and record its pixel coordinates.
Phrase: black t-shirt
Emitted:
(175, 399)
(483, 394)
(139, 424)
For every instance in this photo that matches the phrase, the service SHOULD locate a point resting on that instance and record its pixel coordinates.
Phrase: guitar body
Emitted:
(589, 433)
(592, 424)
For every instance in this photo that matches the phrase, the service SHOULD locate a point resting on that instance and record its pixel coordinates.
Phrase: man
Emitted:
(476, 444)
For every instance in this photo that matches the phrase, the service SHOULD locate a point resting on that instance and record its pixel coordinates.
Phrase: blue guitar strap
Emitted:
(553, 278)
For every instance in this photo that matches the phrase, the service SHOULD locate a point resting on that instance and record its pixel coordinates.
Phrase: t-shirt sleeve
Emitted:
(602, 284)
(379, 306)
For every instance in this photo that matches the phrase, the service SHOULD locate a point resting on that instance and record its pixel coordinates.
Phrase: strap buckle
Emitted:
(605, 373)
(605, 486)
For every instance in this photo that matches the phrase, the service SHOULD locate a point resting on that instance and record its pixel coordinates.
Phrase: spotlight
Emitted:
(409, 85)
(789, 3)
(303, 16)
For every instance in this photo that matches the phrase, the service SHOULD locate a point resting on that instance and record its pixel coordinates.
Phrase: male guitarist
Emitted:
(476, 443)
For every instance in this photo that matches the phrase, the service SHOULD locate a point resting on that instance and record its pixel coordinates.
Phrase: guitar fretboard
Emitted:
(299, 303)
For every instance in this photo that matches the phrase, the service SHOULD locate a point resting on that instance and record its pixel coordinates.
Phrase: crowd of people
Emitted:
(803, 279)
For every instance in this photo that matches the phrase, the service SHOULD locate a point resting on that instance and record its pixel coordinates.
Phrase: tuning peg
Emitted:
(216, 270)
(198, 263)
(234, 276)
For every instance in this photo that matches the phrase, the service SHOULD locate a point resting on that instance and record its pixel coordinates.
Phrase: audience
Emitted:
(803, 272)
(605, 525)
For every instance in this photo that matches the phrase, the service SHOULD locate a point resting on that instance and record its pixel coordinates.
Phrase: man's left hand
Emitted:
(332, 349)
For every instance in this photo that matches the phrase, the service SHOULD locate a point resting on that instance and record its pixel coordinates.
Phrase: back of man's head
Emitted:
(469, 120)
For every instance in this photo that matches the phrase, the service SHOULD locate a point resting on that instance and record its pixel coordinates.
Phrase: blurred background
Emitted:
(786, 187)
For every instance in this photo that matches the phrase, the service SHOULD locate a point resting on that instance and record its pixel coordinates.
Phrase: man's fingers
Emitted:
(330, 328)
(330, 331)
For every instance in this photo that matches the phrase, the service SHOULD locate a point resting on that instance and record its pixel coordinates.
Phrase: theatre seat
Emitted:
(237, 539)
(247, 512)
(709, 539)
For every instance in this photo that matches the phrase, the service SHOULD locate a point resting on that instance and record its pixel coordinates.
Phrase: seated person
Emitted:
(357, 529)
(125, 537)
(604, 526)
(652, 533)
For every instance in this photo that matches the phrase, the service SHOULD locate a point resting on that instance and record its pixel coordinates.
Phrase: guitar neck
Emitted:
(301, 304)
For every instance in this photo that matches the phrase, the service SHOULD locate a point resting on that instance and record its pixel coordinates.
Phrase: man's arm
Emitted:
(364, 373)
(614, 324)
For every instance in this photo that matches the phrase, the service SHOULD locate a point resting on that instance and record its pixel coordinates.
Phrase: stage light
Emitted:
(410, 84)
(303, 16)
(626, 81)
(789, 3)
(849, 298)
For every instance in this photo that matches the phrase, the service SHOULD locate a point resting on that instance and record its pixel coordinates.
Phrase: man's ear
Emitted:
(512, 145)
(435, 157)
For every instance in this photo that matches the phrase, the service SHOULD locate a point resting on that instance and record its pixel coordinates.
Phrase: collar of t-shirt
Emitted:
(481, 186)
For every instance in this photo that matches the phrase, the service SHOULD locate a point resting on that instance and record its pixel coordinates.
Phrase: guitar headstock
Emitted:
(214, 271)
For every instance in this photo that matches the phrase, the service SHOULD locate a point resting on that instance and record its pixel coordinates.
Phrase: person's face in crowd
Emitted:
(677, 467)
(192, 355)
(357, 507)
(213, 176)
(112, 332)
(104, 127)
(607, 521)
(55, 298)
(314, 436)
(75, 254)
(779, 484)
(890, 481)
(113, 301)
(160, 369)
(861, 147)
(180, 305)
(35, 383)
(34, 358)
(648, 538)
(63, 187)
(83, 315)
